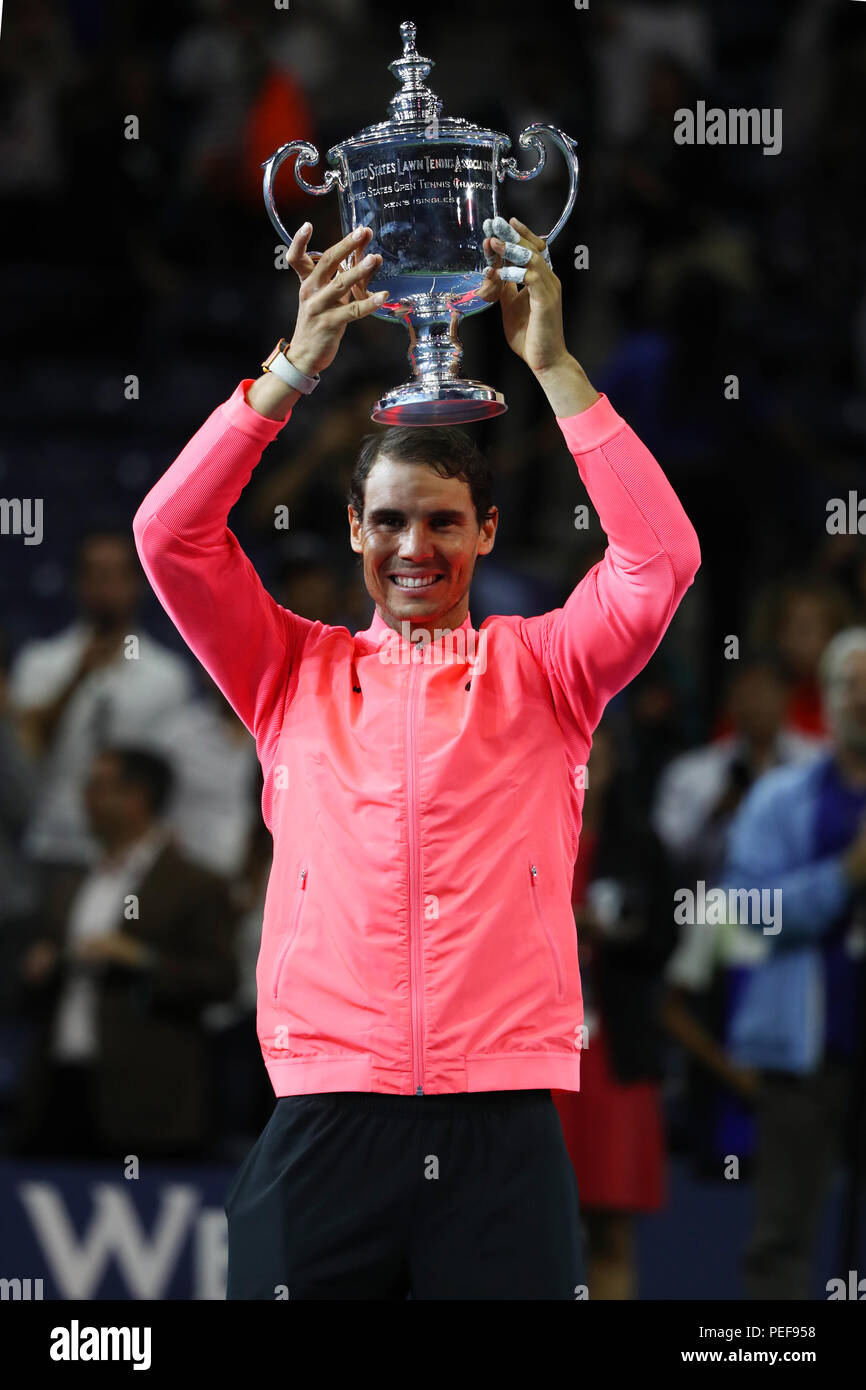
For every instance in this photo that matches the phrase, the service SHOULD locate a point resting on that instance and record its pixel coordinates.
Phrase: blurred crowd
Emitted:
(129, 789)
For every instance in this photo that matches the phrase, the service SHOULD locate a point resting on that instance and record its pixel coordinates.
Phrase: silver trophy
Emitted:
(425, 184)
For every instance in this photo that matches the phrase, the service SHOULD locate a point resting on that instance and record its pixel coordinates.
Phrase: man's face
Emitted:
(846, 701)
(107, 583)
(420, 539)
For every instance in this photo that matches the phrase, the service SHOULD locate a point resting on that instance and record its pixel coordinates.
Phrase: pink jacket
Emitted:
(418, 933)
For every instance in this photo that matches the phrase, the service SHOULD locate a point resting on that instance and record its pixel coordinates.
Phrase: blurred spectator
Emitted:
(664, 187)
(637, 35)
(843, 559)
(37, 64)
(18, 884)
(130, 953)
(698, 793)
(244, 103)
(613, 1126)
(696, 799)
(797, 618)
(216, 773)
(801, 833)
(17, 794)
(99, 681)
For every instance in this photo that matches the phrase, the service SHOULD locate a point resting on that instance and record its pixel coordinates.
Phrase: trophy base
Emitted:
(453, 403)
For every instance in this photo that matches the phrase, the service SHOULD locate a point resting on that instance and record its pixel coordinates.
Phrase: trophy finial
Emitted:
(414, 101)
(407, 34)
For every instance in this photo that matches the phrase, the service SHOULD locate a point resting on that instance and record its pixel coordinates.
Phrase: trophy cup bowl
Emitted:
(425, 184)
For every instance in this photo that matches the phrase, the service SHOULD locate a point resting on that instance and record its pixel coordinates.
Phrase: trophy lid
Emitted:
(415, 109)
(414, 101)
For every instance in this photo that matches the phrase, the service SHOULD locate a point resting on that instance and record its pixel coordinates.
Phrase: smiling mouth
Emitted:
(411, 583)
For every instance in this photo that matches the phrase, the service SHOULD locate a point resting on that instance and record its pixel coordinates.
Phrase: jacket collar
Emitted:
(379, 630)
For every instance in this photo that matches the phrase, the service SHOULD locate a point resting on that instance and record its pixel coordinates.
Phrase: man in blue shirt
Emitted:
(802, 830)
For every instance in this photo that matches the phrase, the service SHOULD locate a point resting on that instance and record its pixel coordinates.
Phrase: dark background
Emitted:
(155, 257)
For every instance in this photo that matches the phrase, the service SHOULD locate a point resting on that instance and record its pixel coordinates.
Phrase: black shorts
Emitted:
(360, 1195)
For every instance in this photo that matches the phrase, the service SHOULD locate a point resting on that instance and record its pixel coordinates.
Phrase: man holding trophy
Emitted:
(419, 992)
(418, 983)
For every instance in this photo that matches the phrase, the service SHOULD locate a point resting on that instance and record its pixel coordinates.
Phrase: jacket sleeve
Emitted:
(611, 624)
(763, 853)
(201, 576)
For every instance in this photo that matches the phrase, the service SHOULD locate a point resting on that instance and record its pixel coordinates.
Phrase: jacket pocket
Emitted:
(548, 935)
(300, 894)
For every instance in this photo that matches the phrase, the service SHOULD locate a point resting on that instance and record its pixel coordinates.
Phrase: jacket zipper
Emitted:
(533, 872)
(290, 935)
(415, 962)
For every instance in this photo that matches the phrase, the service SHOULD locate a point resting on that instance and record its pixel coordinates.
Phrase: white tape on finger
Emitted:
(504, 230)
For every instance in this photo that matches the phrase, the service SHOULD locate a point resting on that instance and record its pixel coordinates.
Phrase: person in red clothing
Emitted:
(622, 895)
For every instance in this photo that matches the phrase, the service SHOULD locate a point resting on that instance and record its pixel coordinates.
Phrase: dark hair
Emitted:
(449, 451)
(147, 771)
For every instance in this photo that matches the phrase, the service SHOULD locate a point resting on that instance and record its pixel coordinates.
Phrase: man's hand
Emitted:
(533, 320)
(330, 297)
(532, 317)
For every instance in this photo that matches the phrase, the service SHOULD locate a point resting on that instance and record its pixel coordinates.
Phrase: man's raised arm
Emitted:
(611, 624)
(198, 570)
(201, 576)
(613, 621)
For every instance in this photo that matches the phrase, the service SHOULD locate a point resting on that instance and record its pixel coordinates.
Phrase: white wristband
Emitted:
(291, 375)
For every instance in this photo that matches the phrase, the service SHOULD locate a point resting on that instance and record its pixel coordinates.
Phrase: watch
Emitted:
(278, 363)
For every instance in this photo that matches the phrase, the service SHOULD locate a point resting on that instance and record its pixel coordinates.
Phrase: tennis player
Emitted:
(418, 983)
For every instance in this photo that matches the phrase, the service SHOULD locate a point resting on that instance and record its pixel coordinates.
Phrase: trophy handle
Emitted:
(307, 154)
(529, 136)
